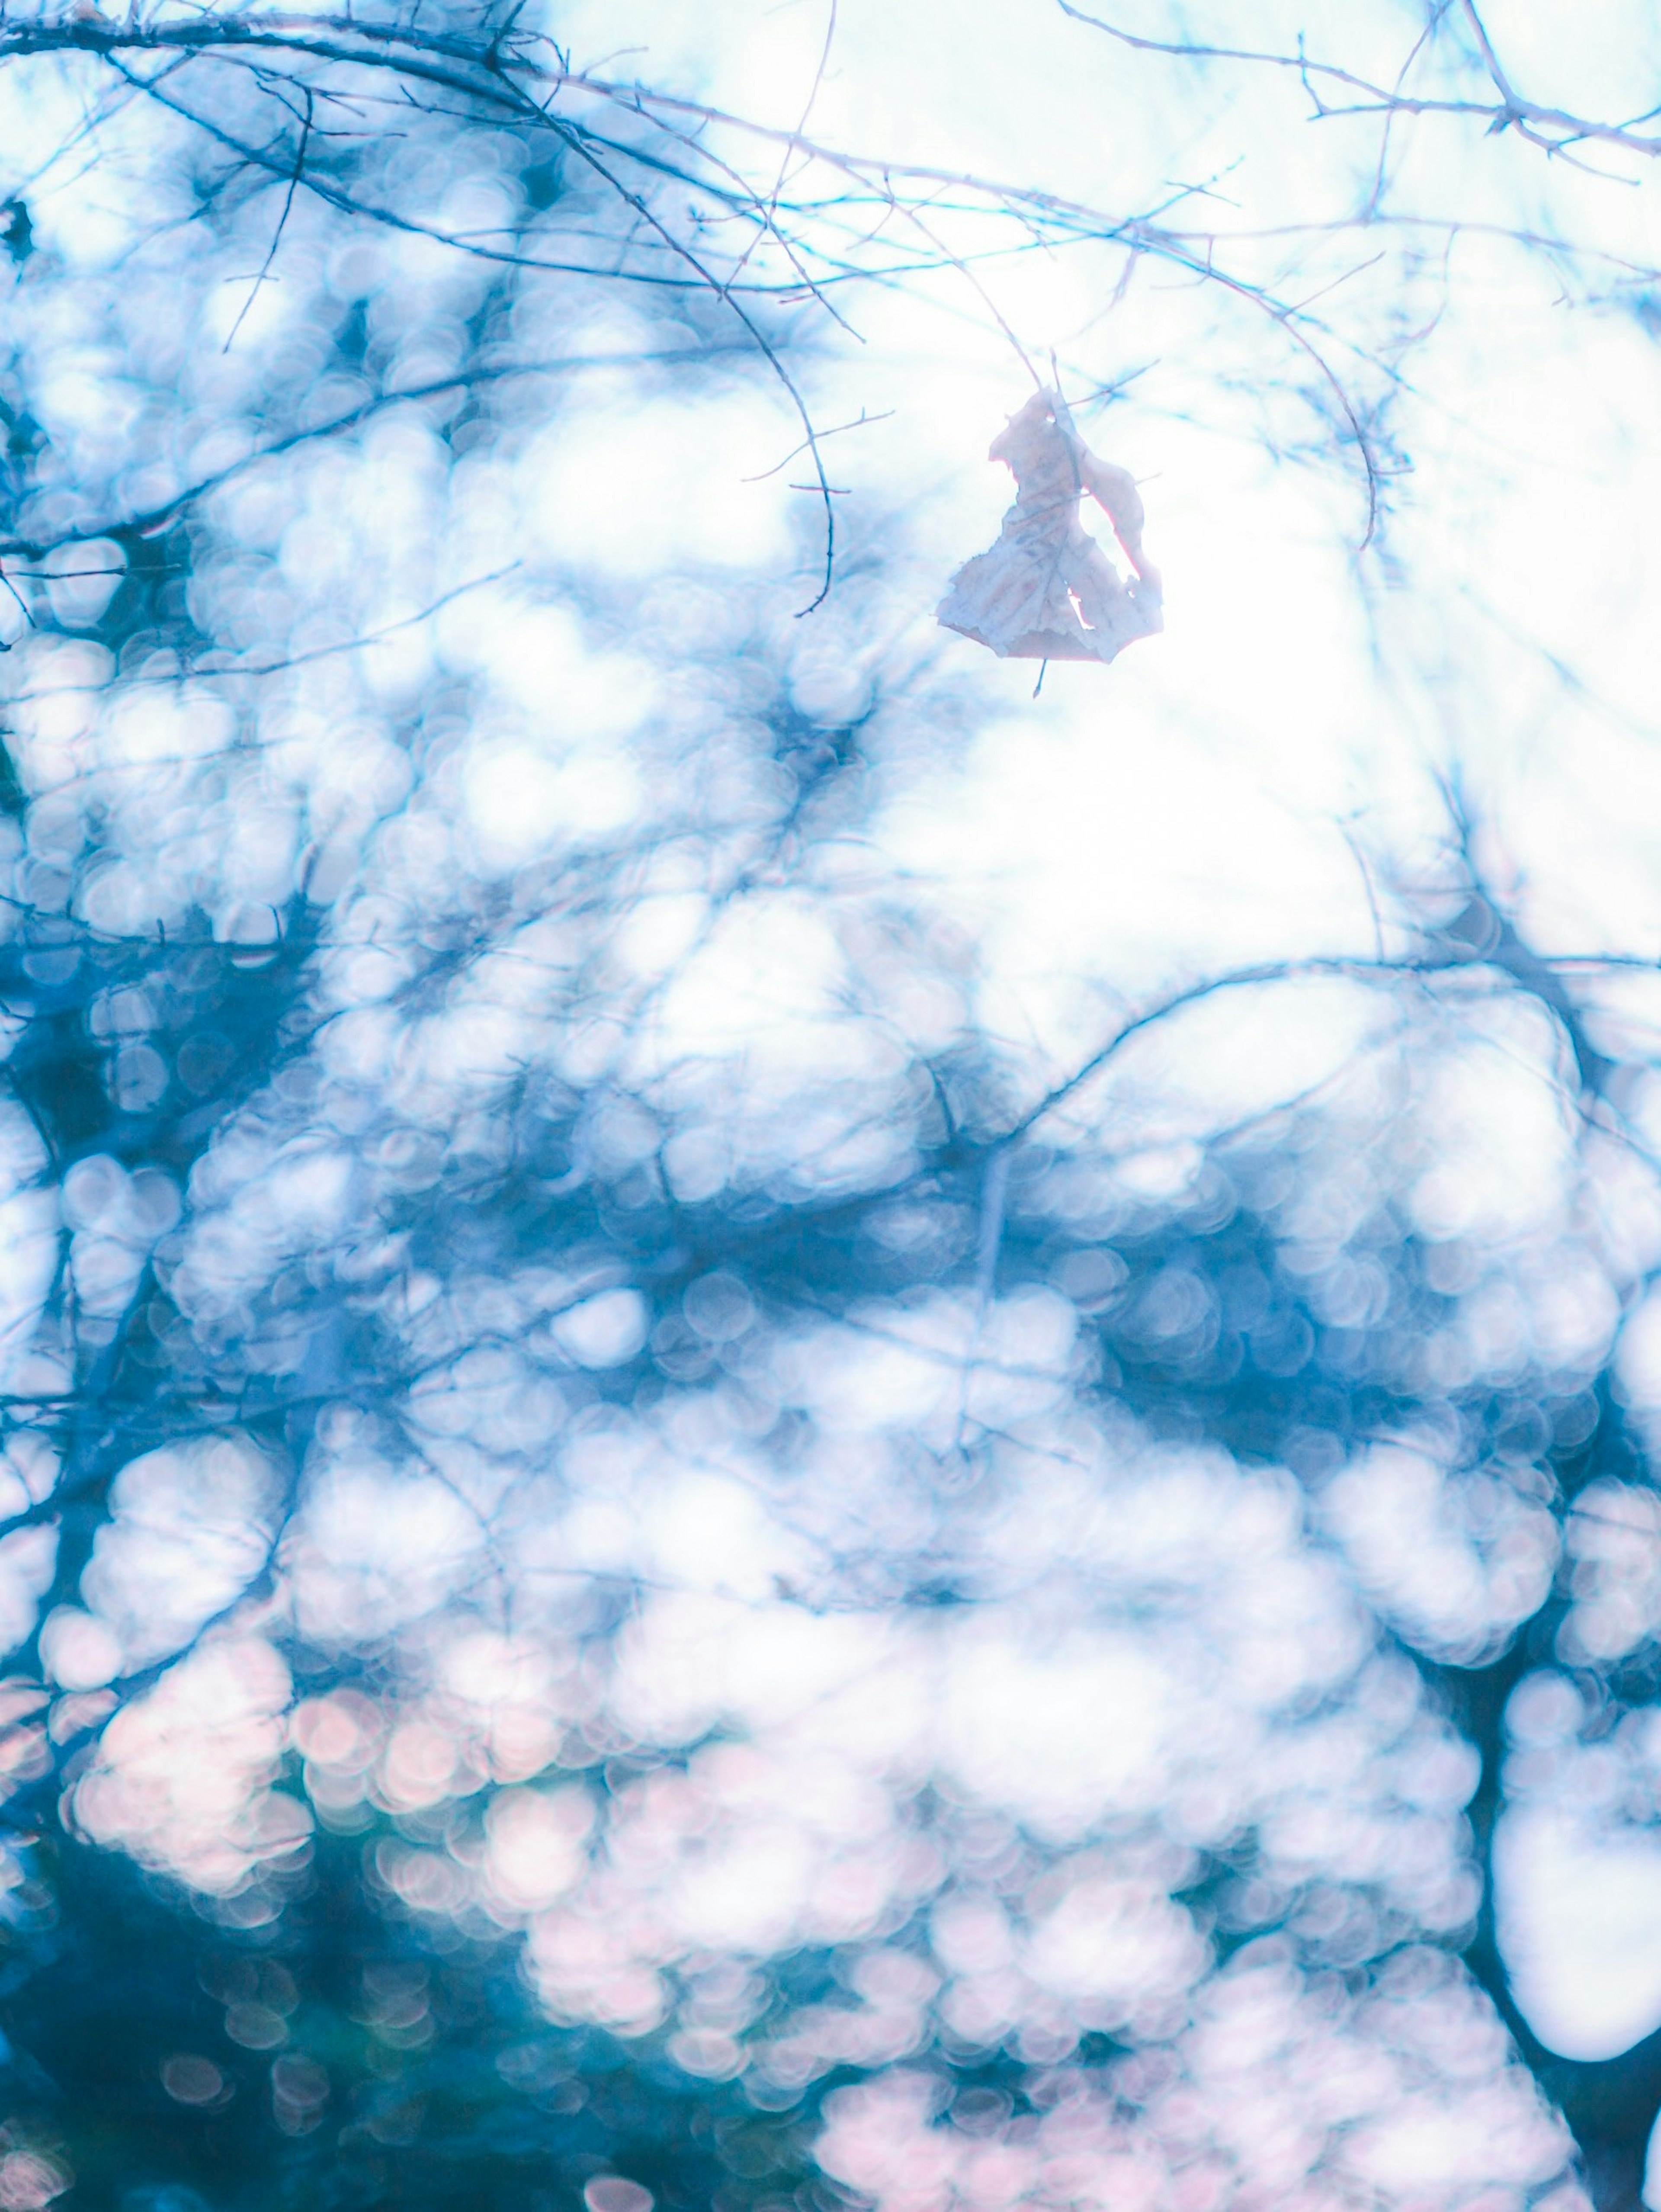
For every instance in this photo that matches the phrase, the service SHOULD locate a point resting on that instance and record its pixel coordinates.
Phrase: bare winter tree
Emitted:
(649, 1546)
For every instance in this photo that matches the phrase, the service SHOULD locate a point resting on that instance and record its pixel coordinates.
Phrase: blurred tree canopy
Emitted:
(653, 1551)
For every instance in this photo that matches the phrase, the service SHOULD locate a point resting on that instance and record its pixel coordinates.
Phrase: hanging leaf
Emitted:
(1047, 591)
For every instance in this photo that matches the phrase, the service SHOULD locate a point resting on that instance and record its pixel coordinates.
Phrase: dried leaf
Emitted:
(1047, 591)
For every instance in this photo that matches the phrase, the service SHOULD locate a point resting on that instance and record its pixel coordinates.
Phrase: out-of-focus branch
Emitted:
(1554, 130)
(152, 519)
(516, 83)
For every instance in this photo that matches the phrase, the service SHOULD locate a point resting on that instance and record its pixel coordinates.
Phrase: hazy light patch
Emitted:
(159, 725)
(767, 974)
(691, 1659)
(1116, 1950)
(1275, 2083)
(603, 1331)
(1232, 1055)
(1455, 1560)
(1580, 1927)
(661, 485)
(1153, 850)
(28, 1250)
(1503, 1158)
(1061, 1739)
(55, 719)
(28, 1558)
(520, 799)
(810, 1104)
(85, 577)
(468, 1047)
(710, 1532)
(933, 1363)
(535, 657)
(1637, 1360)
(750, 1849)
(78, 1650)
(1614, 1539)
(537, 1846)
(117, 1218)
(181, 1778)
(251, 1209)
(191, 1527)
(29, 1468)
(371, 1549)
(515, 1694)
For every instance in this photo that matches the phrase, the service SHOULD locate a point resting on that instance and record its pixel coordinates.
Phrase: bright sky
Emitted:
(1184, 807)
